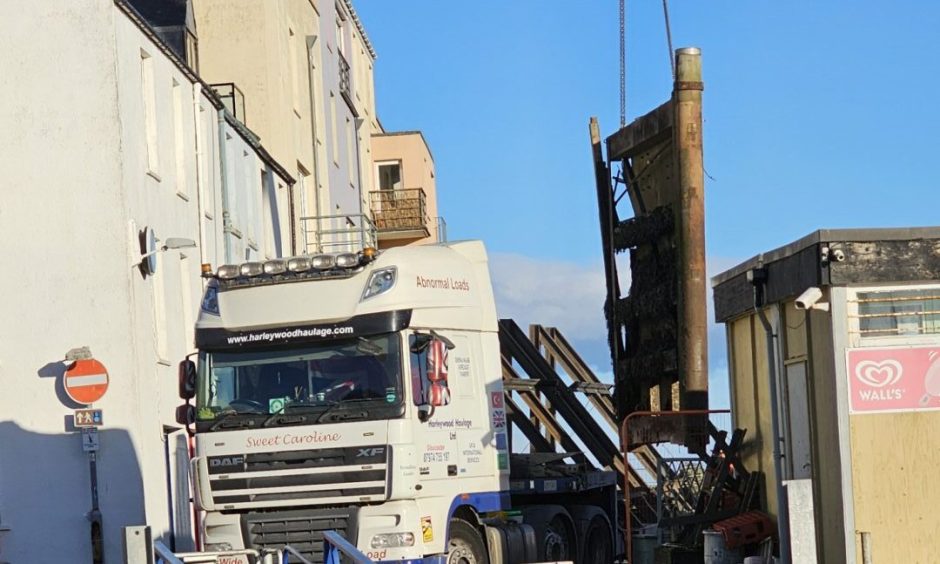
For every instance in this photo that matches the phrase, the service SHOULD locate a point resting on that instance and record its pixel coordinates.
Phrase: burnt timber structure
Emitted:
(657, 332)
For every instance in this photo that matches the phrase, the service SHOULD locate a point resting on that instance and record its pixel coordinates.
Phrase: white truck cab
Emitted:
(356, 392)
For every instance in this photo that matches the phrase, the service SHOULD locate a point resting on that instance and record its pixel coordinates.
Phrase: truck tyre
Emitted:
(555, 533)
(598, 546)
(465, 545)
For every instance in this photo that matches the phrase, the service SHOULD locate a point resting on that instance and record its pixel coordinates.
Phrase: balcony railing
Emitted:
(345, 84)
(400, 213)
(232, 98)
(337, 233)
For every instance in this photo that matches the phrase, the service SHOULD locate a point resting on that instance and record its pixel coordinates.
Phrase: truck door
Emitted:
(449, 440)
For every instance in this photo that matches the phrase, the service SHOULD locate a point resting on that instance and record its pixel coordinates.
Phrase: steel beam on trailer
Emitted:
(558, 347)
(537, 410)
(517, 346)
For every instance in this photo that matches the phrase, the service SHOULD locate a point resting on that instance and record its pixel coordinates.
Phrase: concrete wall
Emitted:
(81, 155)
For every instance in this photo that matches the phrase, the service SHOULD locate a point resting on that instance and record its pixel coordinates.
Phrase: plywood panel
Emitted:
(764, 429)
(795, 331)
(751, 409)
(895, 462)
(827, 468)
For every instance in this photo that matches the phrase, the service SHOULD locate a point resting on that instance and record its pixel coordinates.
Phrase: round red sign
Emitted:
(86, 381)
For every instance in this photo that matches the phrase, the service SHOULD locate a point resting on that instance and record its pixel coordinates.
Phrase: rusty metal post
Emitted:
(693, 323)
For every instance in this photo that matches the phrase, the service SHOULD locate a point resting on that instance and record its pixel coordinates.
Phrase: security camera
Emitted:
(809, 299)
(838, 255)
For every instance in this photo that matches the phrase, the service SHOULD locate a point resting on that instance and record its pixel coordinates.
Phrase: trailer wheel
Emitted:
(598, 546)
(465, 546)
(557, 543)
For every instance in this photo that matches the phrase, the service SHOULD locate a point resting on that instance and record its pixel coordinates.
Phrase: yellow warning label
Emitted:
(427, 532)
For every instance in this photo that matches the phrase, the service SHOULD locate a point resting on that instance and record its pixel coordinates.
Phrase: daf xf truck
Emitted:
(362, 393)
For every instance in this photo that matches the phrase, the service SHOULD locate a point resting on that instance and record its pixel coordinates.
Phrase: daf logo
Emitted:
(227, 461)
(375, 451)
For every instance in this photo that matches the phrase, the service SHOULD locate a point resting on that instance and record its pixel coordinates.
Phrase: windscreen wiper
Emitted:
(349, 415)
(295, 406)
(228, 414)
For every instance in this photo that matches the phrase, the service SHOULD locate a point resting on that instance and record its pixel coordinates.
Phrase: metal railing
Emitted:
(232, 98)
(334, 545)
(337, 233)
(400, 210)
(441, 235)
(345, 83)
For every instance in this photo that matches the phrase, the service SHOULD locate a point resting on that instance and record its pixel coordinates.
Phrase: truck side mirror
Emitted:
(187, 379)
(186, 414)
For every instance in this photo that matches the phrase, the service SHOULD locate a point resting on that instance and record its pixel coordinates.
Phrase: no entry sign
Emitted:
(86, 381)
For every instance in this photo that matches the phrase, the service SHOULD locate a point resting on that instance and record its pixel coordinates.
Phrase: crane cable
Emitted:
(672, 59)
(623, 67)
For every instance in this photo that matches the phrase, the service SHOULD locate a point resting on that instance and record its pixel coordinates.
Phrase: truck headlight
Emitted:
(392, 540)
(380, 282)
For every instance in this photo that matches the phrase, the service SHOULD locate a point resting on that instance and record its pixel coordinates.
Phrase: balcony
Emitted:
(337, 234)
(400, 214)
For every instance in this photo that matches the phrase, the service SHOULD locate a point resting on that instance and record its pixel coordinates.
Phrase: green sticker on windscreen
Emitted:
(276, 405)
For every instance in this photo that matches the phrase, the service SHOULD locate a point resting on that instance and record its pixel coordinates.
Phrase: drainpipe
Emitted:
(758, 277)
(200, 156)
(311, 43)
(223, 176)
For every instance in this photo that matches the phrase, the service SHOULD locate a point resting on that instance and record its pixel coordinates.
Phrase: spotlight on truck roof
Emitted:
(369, 253)
(252, 269)
(323, 262)
(347, 260)
(227, 272)
(276, 266)
(299, 264)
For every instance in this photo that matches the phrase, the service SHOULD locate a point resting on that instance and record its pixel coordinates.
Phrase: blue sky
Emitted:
(817, 115)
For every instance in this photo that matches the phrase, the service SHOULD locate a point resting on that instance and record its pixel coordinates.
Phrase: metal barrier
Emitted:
(335, 545)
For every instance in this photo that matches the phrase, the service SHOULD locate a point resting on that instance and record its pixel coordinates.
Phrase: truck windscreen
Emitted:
(361, 371)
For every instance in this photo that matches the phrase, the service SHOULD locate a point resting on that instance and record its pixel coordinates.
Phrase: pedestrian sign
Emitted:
(88, 418)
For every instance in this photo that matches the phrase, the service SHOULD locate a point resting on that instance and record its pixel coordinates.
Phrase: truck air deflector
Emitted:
(360, 325)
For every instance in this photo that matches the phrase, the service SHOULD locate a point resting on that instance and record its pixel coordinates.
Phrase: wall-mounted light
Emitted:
(150, 248)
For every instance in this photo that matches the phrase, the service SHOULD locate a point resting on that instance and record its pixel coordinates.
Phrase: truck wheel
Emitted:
(557, 542)
(465, 545)
(598, 546)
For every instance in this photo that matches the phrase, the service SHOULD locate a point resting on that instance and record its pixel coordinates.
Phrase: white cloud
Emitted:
(566, 295)
(570, 296)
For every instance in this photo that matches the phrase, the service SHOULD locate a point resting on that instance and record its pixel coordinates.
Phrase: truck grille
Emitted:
(333, 476)
(302, 529)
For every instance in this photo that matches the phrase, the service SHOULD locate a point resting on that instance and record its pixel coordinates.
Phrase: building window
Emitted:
(334, 145)
(340, 30)
(179, 141)
(192, 51)
(294, 51)
(389, 175)
(351, 161)
(899, 312)
(150, 112)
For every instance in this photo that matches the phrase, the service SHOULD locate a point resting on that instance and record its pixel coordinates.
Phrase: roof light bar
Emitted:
(252, 269)
(276, 266)
(227, 272)
(347, 260)
(323, 262)
(299, 264)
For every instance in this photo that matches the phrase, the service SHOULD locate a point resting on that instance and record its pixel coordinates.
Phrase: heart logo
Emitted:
(878, 374)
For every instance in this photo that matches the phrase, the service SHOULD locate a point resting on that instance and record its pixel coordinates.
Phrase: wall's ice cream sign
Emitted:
(896, 379)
